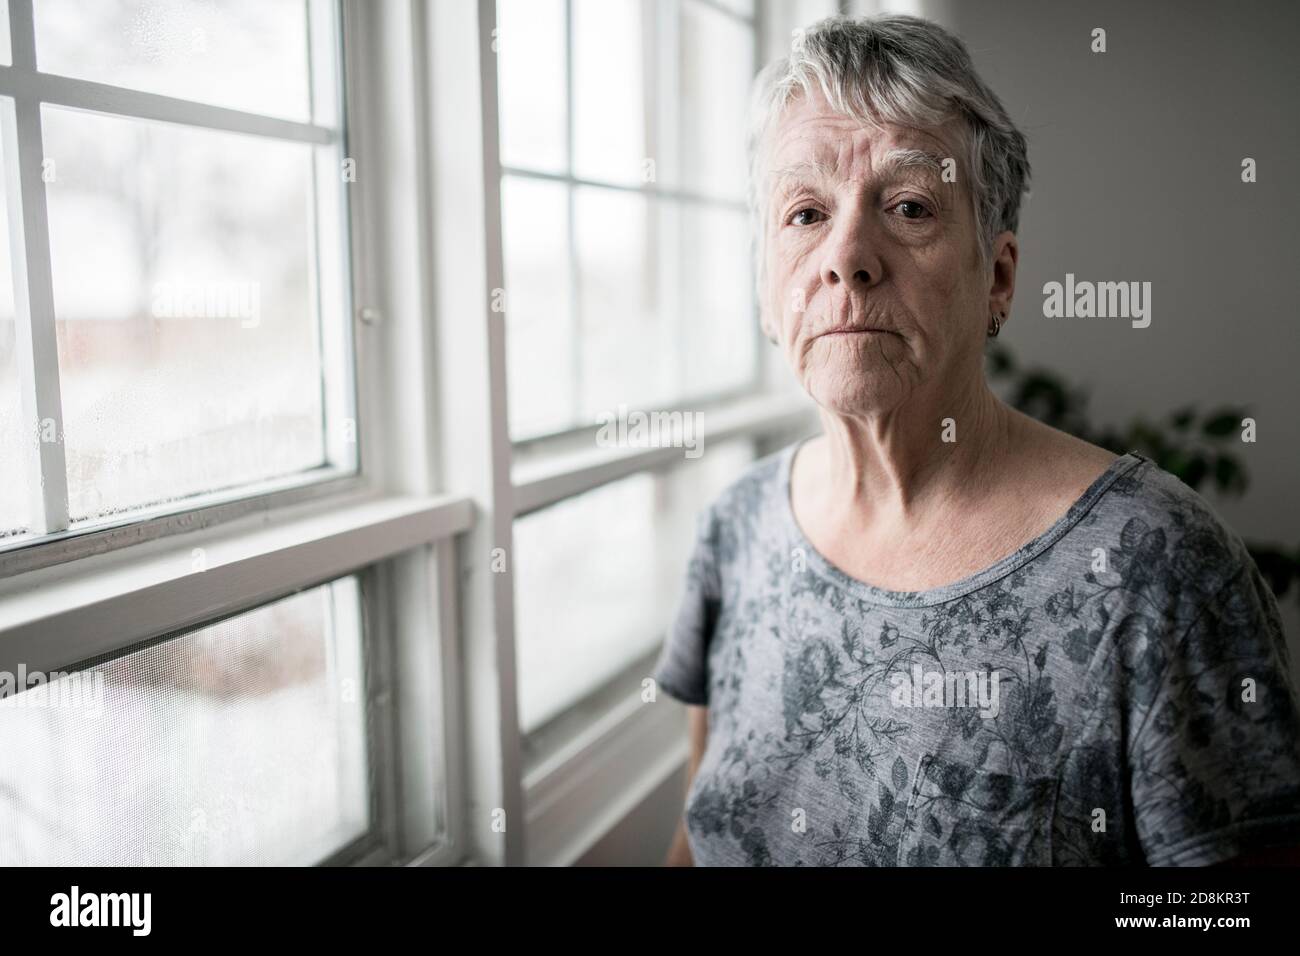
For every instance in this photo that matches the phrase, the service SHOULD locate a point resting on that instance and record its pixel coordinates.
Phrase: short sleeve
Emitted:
(682, 670)
(1215, 765)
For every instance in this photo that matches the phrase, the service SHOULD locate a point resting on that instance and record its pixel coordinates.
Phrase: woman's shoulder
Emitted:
(1163, 532)
(1145, 506)
(1140, 529)
(1143, 491)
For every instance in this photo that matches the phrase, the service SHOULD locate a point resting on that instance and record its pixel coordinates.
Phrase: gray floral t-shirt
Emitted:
(1116, 692)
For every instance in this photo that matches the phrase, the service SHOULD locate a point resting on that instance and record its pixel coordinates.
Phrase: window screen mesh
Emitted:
(242, 743)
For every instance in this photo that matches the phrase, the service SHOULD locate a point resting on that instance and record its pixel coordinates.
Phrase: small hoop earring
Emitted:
(995, 324)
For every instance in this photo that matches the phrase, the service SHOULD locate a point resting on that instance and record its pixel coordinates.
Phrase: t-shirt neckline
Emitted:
(824, 568)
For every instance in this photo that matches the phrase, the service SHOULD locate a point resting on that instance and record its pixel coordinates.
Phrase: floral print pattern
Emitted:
(1146, 713)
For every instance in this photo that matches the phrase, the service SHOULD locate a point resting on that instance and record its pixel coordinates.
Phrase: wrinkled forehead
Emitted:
(812, 138)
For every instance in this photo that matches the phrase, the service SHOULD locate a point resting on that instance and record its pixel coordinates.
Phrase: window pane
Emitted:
(239, 744)
(717, 65)
(598, 577)
(716, 315)
(662, 327)
(662, 312)
(664, 307)
(608, 109)
(530, 64)
(244, 54)
(540, 341)
(188, 341)
(14, 449)
(625, 352)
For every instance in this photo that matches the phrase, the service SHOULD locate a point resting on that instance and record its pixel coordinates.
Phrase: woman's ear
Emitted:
(1006, 256)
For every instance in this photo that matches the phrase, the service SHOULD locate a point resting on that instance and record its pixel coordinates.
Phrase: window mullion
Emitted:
(325, 63)
(571, 211)
(653, 190)
(668, 115)
(654, 210)
(97, 97)
(29, 243)
(22, 36)
(464, 250)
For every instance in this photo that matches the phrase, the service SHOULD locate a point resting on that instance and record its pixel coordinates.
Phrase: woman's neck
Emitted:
(917, 460)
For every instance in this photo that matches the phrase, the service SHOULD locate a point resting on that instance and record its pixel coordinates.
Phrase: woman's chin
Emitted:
(854, 396)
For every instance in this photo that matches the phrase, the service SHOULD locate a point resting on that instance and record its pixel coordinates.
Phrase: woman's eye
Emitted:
(806, 217)
(911, 209)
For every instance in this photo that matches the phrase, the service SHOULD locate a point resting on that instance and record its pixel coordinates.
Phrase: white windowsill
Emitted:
(581, 793)
(53, 617)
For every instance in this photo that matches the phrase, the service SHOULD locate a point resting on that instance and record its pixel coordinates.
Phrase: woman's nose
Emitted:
(851, 257)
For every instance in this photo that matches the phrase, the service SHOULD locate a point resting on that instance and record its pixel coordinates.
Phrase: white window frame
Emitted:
(588, 766)
(25, 90)
(70, 597)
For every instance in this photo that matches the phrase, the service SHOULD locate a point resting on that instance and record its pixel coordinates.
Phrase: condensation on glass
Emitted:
(188, 346)
(199, 274)
(243, 743)
(249, 55)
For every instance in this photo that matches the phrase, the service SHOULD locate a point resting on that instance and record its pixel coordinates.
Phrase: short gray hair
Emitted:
(904, 71)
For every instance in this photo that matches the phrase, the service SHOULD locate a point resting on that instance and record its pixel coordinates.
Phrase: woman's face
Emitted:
(873, 285)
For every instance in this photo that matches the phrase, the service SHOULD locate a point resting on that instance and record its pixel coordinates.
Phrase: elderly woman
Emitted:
(942, 632)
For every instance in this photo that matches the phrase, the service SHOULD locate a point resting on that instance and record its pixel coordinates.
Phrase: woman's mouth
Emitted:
(843, 332)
